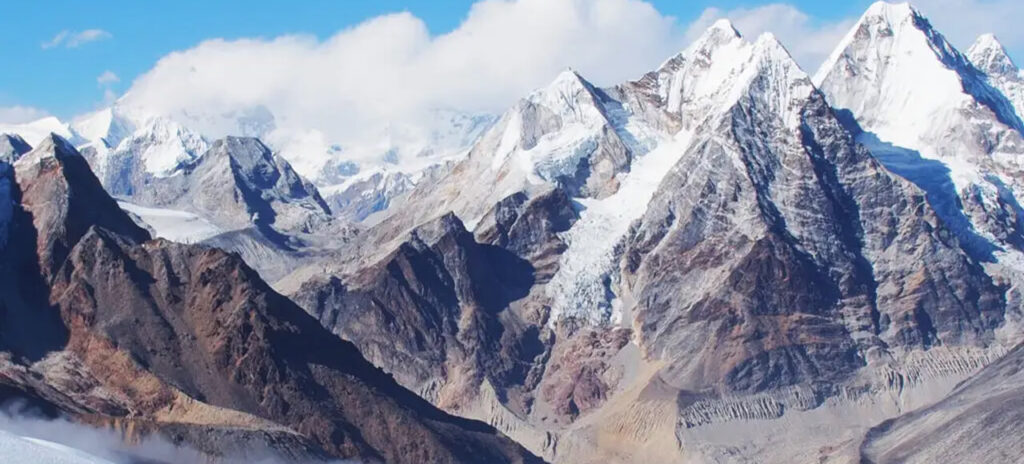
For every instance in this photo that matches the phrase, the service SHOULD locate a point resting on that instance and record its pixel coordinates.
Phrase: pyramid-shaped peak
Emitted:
(891, 12)
(569, 90)
(721, 32)
(989, 55)
(241, 148)
(769, 48)
(723, 26)
(53, 146)
(12, 146)
(988, 41)
(569, 76)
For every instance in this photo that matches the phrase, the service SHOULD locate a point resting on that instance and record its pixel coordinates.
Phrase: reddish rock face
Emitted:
(184, 338)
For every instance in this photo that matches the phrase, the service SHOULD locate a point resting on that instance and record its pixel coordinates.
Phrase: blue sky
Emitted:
(62, 79)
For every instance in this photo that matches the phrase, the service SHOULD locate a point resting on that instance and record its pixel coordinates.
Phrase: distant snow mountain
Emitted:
(989, 56)
(126, 145)
(35, 131)
(933, 117)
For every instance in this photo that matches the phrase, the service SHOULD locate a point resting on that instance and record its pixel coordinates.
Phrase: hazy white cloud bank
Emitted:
(389, 72)
(22, 428)
(20, 114)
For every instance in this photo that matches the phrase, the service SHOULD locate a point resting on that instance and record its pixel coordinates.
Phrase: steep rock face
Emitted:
(183, 336)
(569, 135)
(752, 261)
(782, 233)
(58, 191)
(239, 182)
(432, 312)
(934, 118)
(530, 228)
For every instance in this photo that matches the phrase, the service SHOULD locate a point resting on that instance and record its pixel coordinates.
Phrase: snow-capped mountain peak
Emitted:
(989, 55)
(893, 62)
(891, 13)
(717, 70)
(12, 146)
(570, 96)
(107, 126)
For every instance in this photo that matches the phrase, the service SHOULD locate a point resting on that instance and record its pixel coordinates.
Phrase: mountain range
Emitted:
(726, 260)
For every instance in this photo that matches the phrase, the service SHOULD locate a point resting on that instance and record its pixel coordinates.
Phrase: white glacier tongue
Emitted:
(173, 225)
(582, 287)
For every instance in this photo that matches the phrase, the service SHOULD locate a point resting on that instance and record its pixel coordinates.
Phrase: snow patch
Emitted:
(173, 225)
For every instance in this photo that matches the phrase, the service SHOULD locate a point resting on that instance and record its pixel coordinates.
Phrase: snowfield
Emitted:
(173, 225)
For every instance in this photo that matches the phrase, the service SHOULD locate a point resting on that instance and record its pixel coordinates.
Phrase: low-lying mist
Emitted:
(19, 419)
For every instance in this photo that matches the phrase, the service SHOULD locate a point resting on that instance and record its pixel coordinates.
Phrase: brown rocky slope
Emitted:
(177, 338)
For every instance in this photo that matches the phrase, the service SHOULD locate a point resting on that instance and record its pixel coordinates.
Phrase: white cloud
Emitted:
(808, 40)
(369, 81)
(20, 114)
(107, 77)
(389, 71)
(71, 39)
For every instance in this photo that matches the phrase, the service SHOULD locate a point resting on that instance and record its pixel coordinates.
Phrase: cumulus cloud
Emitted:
(20, 114)
(389, 71)
(809, 41)
(368, 82)
(107, 77)
(72, 39)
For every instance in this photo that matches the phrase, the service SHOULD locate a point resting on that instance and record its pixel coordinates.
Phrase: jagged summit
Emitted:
(51, 146)
(570, 95)
(891, 12)
(724, 27)
(894, 29)
(719, 34)
(719, 68)
(12, 146)
(991, 58)
(893, 61)
(989, 55)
